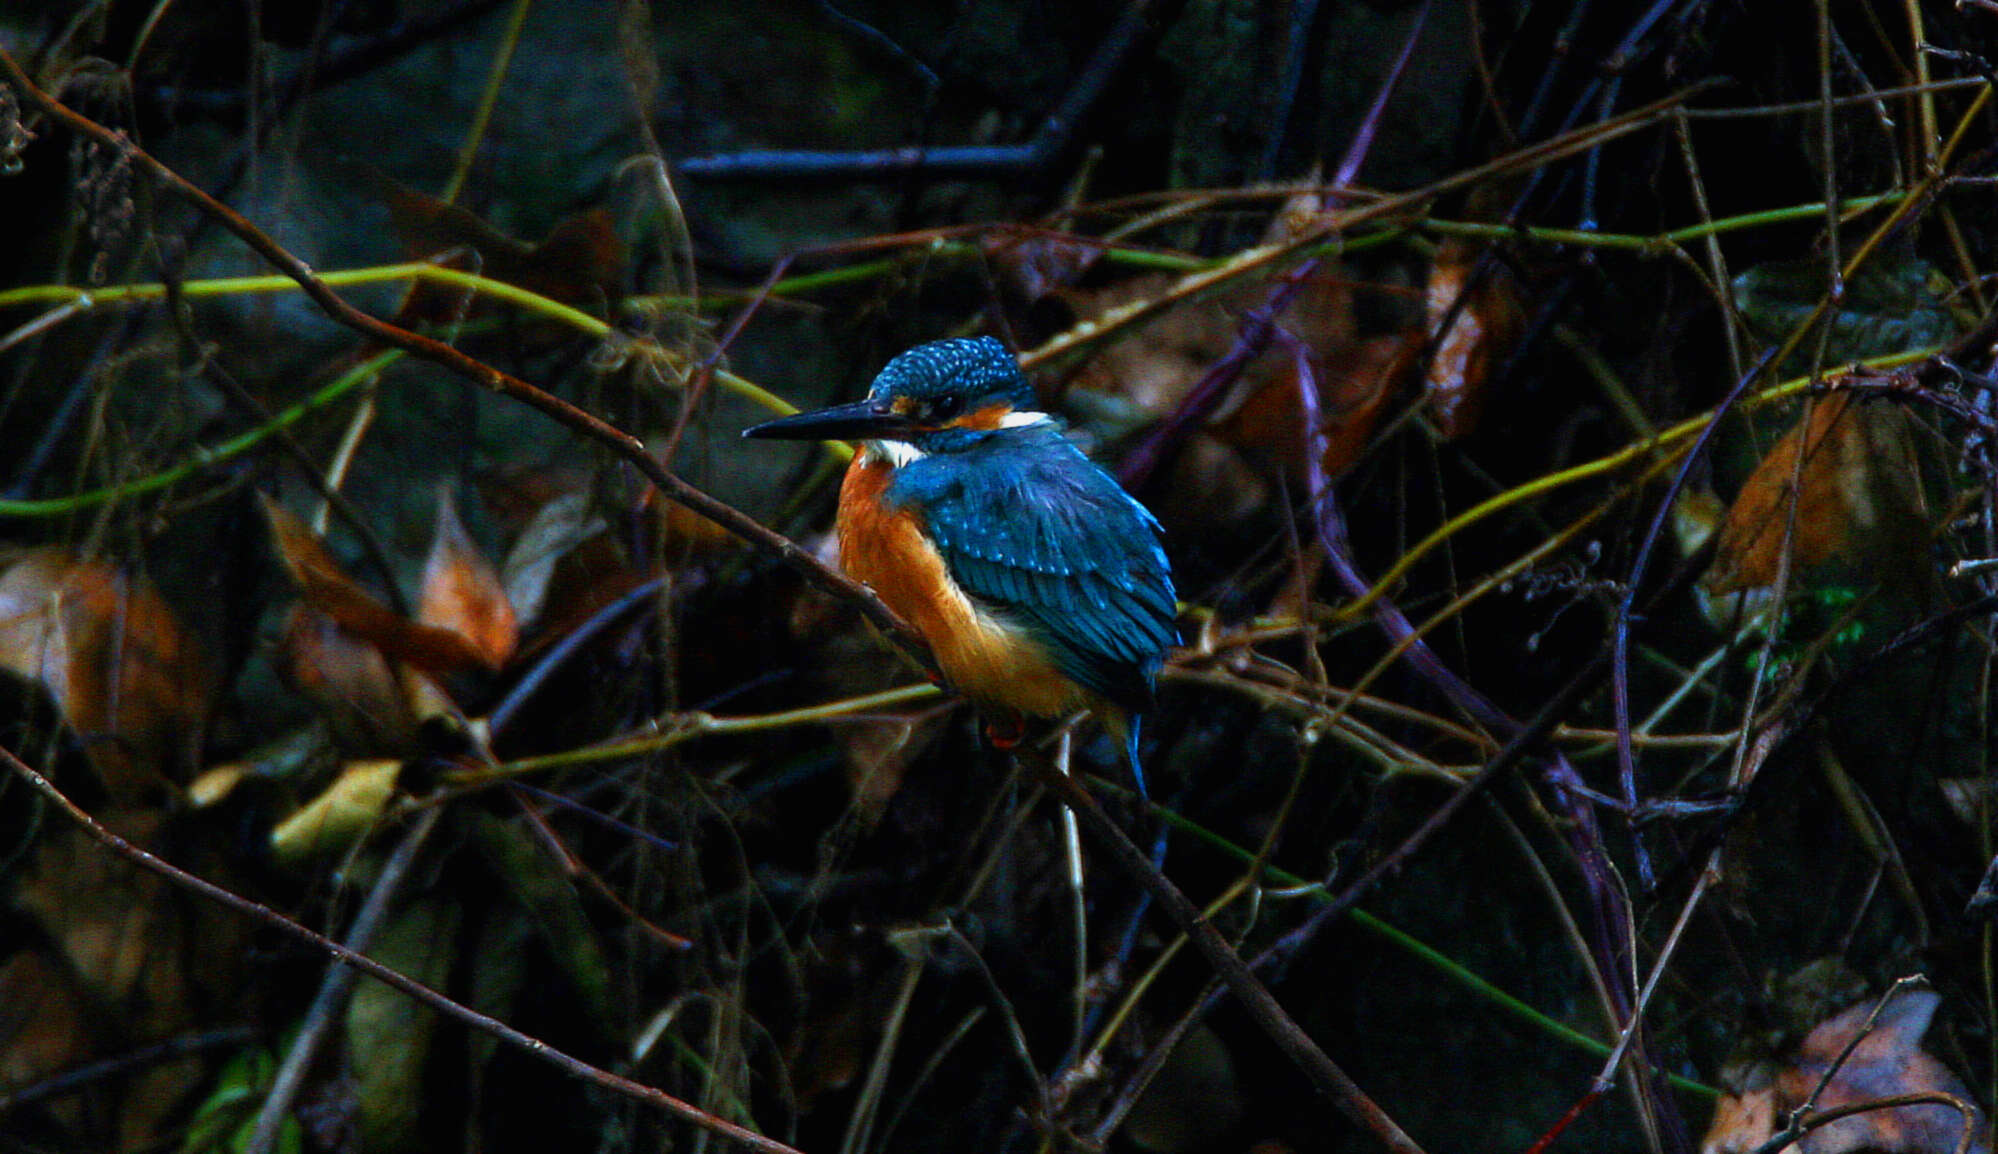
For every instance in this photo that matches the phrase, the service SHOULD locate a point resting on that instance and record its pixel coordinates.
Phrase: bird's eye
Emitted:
(945, 407)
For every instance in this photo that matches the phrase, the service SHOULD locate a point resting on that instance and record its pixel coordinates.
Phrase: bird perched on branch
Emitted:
(1037, 581)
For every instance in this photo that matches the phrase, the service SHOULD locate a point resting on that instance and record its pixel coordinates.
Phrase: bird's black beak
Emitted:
(868, 420)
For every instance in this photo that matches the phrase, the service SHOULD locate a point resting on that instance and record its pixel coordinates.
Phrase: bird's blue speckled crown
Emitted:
(978, 368)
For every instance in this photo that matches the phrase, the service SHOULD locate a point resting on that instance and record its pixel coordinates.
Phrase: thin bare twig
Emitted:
(1326, 1076)
(576, 1067)
(627, 447)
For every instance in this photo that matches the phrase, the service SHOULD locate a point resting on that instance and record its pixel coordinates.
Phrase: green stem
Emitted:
(204, 458)
(1424, 952)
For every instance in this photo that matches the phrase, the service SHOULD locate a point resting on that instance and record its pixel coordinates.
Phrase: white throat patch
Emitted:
(1023, 419)
(896, 453)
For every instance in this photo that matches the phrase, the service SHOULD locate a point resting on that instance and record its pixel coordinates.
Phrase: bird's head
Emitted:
(935, 398)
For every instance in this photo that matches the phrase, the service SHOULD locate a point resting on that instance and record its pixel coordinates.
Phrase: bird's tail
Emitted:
(1124, 726)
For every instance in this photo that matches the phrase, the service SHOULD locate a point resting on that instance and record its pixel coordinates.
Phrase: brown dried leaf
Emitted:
(462, 593)
(1037, 263)
(327, 588)
(42, 1024)
(1859, 500)
(1159, 361)
(149, 964)
(579, 262)
(355, 689)
(848, 991)
(685, 537)
(1480, 336)
(1222, 472)
(879, 754)
(1886, 1062)
(105, 914)
(127, 677)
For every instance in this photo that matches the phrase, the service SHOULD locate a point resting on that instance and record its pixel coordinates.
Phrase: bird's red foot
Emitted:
(1005, 732)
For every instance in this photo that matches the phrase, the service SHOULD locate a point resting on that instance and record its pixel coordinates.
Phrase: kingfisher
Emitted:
(1039, 583)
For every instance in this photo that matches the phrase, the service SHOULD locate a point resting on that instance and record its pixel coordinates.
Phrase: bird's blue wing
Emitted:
(1028, 525)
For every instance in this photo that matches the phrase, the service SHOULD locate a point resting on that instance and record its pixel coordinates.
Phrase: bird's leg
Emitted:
(1005, 730)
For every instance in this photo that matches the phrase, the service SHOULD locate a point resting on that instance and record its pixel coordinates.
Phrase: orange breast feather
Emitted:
(994, 662)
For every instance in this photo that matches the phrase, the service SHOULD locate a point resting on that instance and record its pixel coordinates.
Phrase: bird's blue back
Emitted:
(1029, 526)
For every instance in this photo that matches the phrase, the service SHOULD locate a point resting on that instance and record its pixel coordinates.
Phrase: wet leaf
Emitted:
(341, 815)
(126, 675)
(389, 1035)
(549, 899)
(226, 1118)
(1892, 305)
(1859, 502)
(326, 587)
(1484, 319)
(1886, 1062)
(462, 593)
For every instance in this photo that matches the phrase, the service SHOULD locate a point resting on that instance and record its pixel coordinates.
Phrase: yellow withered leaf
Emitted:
(340, 816)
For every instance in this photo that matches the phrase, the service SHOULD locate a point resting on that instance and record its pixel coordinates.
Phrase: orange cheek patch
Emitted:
(987, 418)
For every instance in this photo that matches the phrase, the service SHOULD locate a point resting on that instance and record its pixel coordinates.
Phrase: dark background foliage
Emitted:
(859, 935)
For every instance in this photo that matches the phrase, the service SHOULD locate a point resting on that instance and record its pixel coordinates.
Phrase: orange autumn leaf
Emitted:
(126, 675)
(1484, 323)
(326, 587)
(1886, 1062)
(1355, 383)
(462, 591)
(1858, 500)
(1223, 472)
